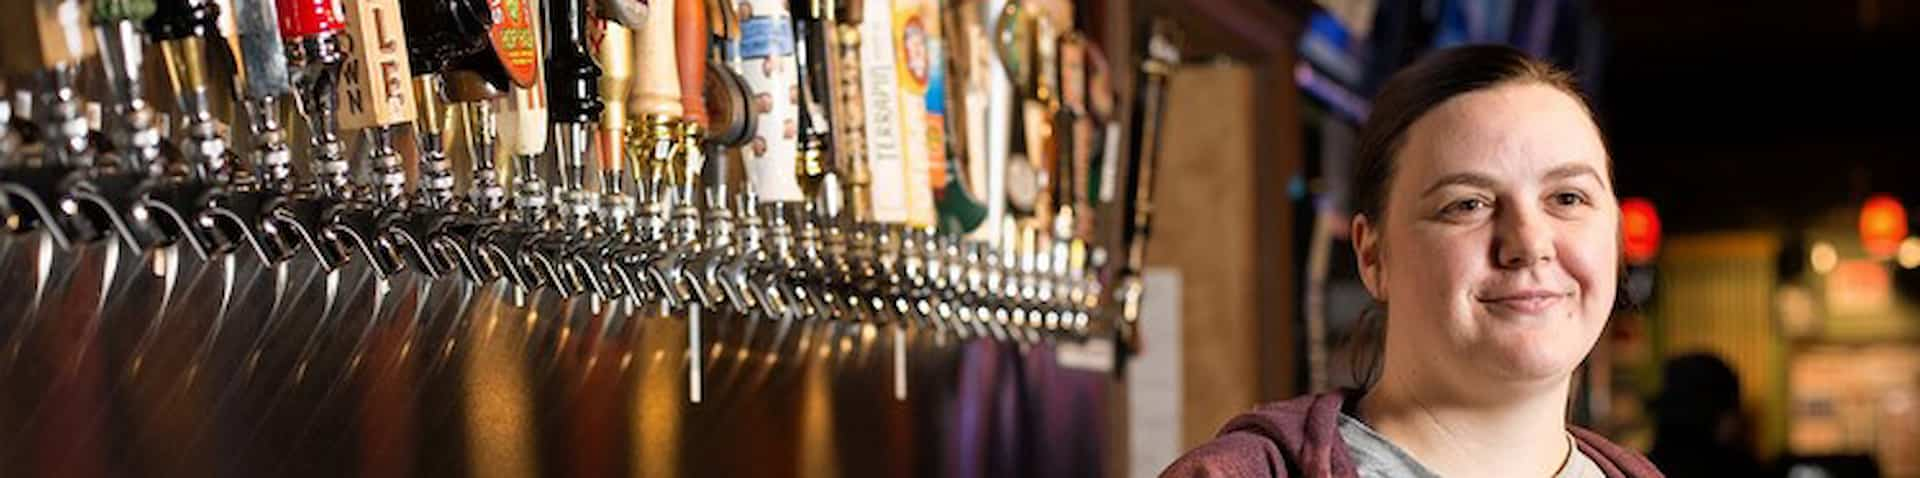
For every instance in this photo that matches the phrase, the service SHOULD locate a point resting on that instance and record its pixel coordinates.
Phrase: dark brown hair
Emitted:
(1406, 97)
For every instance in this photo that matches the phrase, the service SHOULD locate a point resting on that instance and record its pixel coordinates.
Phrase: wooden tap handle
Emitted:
(616, 62)
(690, 56)
(656, 88)
(374, 84)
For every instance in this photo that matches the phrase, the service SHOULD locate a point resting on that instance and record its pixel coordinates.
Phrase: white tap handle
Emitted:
(880, 84)
(523, 119)
(770, 72)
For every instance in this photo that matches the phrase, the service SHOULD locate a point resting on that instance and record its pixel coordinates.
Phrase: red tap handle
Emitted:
(304, 18)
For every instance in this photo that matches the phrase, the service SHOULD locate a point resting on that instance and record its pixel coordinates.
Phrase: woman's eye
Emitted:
(1465, 206)
(1569, 199)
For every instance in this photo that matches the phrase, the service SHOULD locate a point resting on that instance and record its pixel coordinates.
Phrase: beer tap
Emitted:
(794, 229)
(313, 50)
(1022, 290)
(754, 273)
(945, 275)
(122, 56)
(476, 99)
(54, 265)
(1052, 290)
(524, 131)
(899, 138)
(438, 34)
(63, 128)
(268, 175)
(1083, 293)
(478, 83)
(719, 279)
(483, 207)
(909, 295)
(36, 190)
(187, 34)
(615, 57)
(656, 99)
(715, 239)
(1049, 263)
(922, 269)
(265, 72)
(1076, 143)
(985, 124)
(375, 99)
(733, 230)
(1039, 115)
(733, 113)
(950, 284)
(574, 102)
(985, 288)
(54, 51)
(809, 268)
(313, 34)
(1071, 221)
(1160, 57)
(672, 183)
(847, 199)
(189, 195)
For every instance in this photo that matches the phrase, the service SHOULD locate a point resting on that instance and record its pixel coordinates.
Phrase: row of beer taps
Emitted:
(753, 159)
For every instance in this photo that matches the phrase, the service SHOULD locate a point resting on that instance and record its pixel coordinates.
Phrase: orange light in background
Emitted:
(1883, 224)
(1639, 230)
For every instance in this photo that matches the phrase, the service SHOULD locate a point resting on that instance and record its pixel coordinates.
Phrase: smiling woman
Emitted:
(1487, 233)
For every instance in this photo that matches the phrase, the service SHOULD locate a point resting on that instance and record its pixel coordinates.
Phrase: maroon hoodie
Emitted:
(1301, 438)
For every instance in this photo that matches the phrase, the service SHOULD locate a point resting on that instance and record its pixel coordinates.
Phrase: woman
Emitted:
(1486, 230)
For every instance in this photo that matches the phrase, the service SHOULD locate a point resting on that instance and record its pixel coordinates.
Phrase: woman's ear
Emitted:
(1366, 250)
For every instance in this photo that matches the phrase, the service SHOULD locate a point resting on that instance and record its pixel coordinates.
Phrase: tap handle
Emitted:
(374, 82)
(690, 58)
(573, 78)
(657, 80)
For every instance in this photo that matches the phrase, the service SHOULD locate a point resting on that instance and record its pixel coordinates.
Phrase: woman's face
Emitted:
(1499, 251)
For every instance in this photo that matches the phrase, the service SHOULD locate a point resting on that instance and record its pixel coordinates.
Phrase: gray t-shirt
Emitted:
(1375, 457)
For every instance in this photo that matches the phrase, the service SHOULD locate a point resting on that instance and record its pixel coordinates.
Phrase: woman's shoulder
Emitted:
(1297, 437)
(1237, 454)
(1614, 459)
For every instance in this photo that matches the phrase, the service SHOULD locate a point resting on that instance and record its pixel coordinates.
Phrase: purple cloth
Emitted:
(1300, 438)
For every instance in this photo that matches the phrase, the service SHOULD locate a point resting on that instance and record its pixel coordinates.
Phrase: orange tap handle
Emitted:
(690, 54)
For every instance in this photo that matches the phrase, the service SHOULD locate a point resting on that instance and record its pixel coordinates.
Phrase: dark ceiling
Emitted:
(1762, 113)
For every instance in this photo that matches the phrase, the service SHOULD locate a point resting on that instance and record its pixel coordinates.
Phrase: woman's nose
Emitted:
(1523, 237)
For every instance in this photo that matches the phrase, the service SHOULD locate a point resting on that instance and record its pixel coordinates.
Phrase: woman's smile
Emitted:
(1526, 302)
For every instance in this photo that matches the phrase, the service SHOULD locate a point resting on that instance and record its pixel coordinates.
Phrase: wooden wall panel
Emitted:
(1204, 202)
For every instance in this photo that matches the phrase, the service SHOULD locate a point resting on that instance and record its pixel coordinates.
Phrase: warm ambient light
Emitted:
(1824, 257)
(1639, 230)
(1909, 255)
(1883, 224)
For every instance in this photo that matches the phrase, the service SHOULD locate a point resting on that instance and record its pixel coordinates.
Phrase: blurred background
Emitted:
(1764, 152)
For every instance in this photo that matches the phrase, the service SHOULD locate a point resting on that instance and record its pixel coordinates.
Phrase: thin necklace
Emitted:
(1568, 459)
